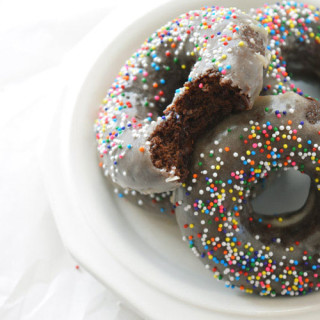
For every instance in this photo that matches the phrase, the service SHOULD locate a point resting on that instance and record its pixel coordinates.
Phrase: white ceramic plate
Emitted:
(141, 256)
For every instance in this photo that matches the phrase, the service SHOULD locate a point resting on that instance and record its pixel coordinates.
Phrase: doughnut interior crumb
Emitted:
(204, 103)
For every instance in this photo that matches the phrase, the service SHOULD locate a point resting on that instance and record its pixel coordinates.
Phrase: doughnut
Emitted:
(159, 203)
(198, 68)
(294, 43)
(267, 255)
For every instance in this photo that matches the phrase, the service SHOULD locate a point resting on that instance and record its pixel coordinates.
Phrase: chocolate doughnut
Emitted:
(267, 255)
(159, 203)
(294, 43)
(204, 63)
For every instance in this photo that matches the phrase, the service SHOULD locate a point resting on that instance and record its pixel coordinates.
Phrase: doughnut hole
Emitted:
(284, 212)
(286, 193)
(307, 81)
(303, 66)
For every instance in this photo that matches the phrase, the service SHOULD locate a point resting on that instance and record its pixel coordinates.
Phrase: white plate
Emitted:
(140, 256)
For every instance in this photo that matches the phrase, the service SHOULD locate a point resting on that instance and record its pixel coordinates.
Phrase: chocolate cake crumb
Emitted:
(205, 103)
(313, 111)
(253, 39)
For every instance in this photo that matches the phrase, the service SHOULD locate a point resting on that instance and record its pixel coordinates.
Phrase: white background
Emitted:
(38, 278)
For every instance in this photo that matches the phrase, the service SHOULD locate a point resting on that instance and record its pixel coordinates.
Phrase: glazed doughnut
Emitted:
(159, 203)
(294, 42)
(268, 255)
(204, 63)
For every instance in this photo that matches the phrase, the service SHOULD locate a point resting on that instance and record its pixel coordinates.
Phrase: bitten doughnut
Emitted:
(268, 255)
(294, 43)
(204, 63)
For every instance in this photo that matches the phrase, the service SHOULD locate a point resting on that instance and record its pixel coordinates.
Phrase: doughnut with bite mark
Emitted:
(198, 68)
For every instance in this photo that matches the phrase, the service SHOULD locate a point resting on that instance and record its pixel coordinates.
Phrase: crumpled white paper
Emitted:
(38, 278)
